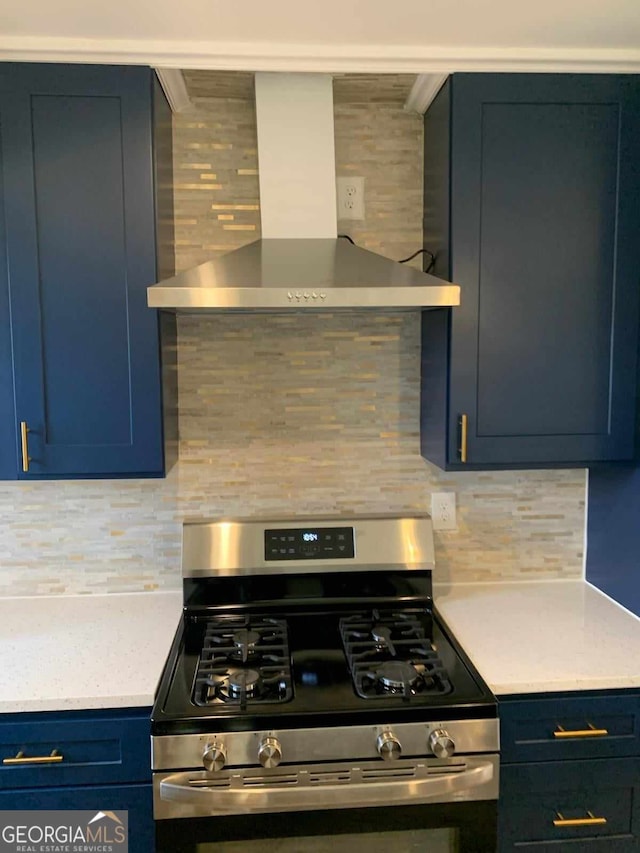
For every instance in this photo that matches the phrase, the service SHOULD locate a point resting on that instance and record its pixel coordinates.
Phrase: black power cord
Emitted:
(432, 261)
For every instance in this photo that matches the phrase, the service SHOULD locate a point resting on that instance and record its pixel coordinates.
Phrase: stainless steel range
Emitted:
(312, 686)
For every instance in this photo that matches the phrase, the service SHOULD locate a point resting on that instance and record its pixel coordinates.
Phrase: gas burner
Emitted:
(245, 681)
(382, 637)
(231, 642)
(397, 675)
(404, 678)
(242, 687)
(389, 655)
(385, 629)
(244, 637)
(244, 644)
(245, 641)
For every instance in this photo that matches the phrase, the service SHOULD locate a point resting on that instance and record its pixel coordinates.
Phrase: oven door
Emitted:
(331, 808)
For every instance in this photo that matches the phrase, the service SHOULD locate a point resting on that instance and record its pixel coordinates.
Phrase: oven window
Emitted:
(410, 841)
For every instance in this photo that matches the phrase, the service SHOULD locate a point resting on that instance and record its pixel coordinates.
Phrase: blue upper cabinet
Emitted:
(80, 350)
(532, 205)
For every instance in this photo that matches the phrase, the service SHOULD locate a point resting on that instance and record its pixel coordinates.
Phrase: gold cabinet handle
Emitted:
(20, 758)
(24, 429)
(592, 820)
(592, 731)
(464, 426)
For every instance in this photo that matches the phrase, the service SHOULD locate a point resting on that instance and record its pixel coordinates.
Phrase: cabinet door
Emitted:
(79, 206)
(586, 806)
(545, 212)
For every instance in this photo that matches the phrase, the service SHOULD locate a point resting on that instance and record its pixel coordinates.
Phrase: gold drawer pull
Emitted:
(464, 428)
(24, 429)
(21, 758)
(579, 821)
(592, 731)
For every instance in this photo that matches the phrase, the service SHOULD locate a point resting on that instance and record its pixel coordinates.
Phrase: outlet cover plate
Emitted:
(443, 511)
(350, 197)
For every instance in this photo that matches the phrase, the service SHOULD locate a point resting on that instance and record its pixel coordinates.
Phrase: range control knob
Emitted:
(388, 746)
(441, 744)
(214, 756)
(270, 752)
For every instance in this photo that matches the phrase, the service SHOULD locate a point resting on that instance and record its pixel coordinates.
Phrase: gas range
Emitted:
(311, 671)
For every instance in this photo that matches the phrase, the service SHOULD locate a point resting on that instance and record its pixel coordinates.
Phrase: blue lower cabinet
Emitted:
(86, 748)
(570, 772)
(570, 727)
(583, 805)
(78, 158)
(77, 760)
(137, 800)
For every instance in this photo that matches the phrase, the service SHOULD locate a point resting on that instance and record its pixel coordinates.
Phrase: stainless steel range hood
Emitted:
(301, 274)
(300, 264)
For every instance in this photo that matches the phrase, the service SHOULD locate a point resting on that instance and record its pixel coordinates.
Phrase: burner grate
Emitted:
(244, 660)
(390, 656)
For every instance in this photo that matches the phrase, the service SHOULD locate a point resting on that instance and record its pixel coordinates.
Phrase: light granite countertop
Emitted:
(537, 637)
(62, 653)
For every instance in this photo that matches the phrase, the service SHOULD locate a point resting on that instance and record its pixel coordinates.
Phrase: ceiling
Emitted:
(406, 36)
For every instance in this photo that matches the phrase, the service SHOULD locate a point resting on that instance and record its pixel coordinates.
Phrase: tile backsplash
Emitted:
(282, 414)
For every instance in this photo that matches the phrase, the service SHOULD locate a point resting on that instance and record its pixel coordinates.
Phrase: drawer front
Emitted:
(137, 800)
(74, 749)
(557, 729)
(579, 804)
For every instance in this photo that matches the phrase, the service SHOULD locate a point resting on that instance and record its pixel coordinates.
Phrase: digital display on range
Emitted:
(309, 543)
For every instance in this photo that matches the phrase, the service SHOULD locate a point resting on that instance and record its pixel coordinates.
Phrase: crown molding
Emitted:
(423, 92)
(174, 88)
(254, 56)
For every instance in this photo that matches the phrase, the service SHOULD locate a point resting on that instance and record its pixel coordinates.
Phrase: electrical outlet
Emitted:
(350, 198)
(443, 510)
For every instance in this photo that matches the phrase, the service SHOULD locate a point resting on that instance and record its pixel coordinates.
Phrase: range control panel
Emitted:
(309, 543)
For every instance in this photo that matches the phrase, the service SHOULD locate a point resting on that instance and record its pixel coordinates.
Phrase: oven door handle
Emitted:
(297, 792)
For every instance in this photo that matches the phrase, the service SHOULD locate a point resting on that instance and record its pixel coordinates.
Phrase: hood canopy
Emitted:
(313, 274)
